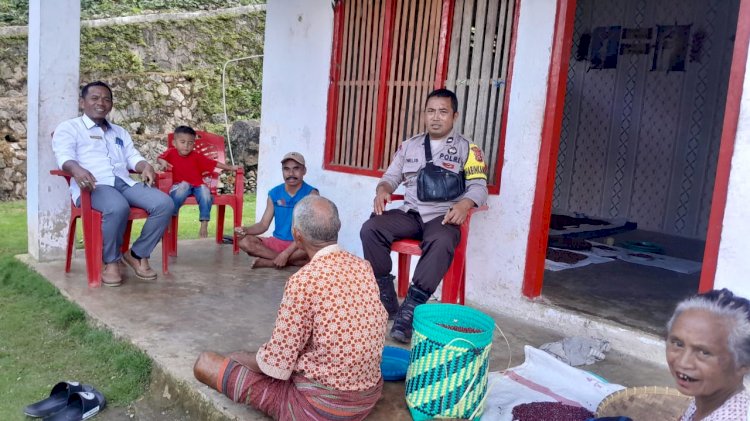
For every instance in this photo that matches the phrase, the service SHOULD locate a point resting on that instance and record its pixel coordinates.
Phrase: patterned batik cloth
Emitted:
(330, 326)
(297, 398)
(734, 409)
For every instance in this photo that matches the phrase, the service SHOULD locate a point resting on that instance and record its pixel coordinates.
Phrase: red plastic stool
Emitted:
(454, 281)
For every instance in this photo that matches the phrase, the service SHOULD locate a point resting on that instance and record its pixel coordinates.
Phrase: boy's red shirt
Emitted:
(188, 168)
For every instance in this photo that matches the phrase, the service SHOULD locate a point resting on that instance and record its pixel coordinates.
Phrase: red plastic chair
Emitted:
(454, 281)
(212, 146)
(92, 232)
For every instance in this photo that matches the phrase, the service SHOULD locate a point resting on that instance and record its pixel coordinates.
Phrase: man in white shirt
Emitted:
(99, 155)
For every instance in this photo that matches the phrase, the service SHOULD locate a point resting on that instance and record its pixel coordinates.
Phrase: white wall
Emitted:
(734, 265)
(499, 239)
(296, 62)
(295, 81)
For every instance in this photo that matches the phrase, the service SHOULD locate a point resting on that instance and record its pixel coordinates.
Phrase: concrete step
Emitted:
(166, 399)
(213, 301)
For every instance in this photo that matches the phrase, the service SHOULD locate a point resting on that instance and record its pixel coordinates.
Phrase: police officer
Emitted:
(435, 223)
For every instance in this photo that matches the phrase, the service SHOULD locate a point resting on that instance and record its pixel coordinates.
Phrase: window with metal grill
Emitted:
(389, 54)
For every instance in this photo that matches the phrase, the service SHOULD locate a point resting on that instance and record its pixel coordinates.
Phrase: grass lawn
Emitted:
(45, 339)
(188, 226)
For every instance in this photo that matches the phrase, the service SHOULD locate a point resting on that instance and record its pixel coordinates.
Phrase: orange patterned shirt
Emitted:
(331, 324)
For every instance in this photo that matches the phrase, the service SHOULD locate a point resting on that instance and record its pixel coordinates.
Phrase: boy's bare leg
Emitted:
(254, 247)
(203, 233)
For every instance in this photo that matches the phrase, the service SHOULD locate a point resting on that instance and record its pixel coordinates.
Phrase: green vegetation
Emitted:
(187, 228)
(16, 12)
(138, 59)
(44, 338)
(13, 226)
(123, 54)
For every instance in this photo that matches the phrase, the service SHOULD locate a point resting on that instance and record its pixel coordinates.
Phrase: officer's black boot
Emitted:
(402, 325)
(388, 295)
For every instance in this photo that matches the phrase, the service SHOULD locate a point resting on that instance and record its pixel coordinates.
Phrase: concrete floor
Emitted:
(638, 296)
(212, 300)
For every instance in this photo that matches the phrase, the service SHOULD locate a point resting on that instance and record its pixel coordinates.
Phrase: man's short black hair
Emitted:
(86, 87)
(185, 129)
(444, 93)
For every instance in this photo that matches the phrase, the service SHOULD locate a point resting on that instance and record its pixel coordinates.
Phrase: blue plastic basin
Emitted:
(394, 364)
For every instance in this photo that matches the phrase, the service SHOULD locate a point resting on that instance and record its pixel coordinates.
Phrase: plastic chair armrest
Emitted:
(164, 180)
(239, 185)
(61, 173)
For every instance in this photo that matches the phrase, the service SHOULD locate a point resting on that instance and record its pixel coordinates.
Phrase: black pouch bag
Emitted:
(436, 184)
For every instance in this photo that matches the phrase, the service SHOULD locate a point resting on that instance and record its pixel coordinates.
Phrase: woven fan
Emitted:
(645, 403)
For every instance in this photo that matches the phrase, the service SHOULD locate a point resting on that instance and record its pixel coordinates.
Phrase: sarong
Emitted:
(298, 398)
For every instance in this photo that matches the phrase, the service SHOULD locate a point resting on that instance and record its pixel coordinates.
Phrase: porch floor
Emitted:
(213, 300)
(642, 297)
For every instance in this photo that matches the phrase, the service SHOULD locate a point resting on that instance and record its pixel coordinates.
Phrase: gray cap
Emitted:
(294, 156)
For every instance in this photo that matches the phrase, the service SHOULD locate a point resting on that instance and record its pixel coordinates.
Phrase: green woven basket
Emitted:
(450, 350)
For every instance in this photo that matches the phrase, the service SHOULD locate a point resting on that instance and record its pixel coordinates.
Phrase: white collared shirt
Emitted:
(106, 154)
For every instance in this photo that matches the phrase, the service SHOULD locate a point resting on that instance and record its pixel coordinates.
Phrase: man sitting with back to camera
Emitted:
(323, 359)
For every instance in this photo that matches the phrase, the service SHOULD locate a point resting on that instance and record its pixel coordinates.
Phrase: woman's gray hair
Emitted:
(317, 219)
(736, 310)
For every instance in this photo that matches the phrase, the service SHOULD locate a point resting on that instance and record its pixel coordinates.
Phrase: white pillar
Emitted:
(53, 78)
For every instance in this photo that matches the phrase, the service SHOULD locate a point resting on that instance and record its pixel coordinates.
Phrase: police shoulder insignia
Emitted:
(475, 166)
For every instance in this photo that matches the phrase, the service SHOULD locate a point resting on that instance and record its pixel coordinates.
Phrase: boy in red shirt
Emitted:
(188, 169)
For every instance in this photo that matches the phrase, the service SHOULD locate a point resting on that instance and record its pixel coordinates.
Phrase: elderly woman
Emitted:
(708, 352)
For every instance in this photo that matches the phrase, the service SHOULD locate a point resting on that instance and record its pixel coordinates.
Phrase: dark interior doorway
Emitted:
(641, 129)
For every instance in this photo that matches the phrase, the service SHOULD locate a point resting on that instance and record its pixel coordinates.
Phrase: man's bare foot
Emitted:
(203, 233)
(206, 368)
(263, 263)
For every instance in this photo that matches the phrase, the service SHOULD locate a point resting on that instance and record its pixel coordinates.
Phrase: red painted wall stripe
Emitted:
(385, 66)
(444, 45)
(333, 79)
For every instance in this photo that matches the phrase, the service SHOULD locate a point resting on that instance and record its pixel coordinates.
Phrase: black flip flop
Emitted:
(58, 399)
(81, 406)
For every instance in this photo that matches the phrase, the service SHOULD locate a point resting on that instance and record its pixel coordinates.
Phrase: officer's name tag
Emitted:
(96, 137)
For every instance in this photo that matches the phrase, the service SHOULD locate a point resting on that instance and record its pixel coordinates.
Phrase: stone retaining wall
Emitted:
(164, 72)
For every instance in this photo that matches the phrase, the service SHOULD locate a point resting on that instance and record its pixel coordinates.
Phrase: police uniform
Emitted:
(423, 220)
